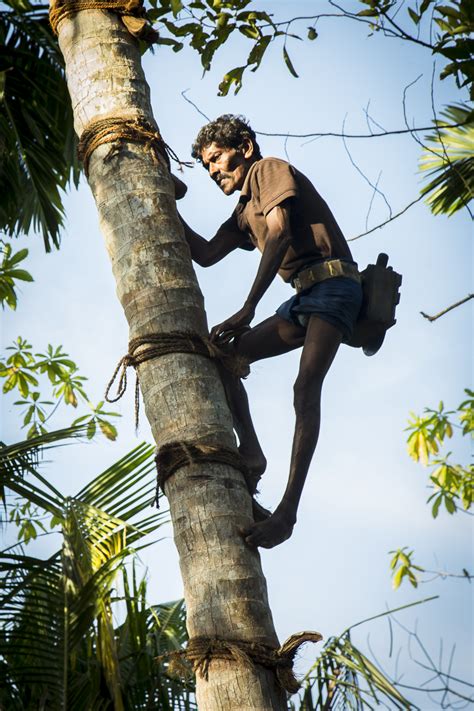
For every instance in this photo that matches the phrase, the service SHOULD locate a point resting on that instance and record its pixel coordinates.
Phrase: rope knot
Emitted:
(154, 345)
(201, 651)
(174, 455)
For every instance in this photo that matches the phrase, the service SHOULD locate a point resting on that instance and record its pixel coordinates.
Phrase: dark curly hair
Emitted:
(228, 131)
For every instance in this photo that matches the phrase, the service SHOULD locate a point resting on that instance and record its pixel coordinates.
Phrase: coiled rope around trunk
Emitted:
(59, 9)
(154, 345)
(120, 131)
(174, 455)
(201, 651)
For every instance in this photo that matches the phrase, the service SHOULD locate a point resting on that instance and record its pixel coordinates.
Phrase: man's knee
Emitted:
(307, 392)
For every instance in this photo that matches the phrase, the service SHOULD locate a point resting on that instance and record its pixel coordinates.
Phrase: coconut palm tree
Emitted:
(224, 586)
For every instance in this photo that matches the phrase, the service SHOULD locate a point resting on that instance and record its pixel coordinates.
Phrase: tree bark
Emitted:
(224, 587)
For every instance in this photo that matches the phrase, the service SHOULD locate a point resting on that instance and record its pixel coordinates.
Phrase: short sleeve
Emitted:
(274, 182)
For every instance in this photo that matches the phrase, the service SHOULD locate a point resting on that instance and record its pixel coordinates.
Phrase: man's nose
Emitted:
(213, 170)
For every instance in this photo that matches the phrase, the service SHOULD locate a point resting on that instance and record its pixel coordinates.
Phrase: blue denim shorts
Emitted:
(336, 300)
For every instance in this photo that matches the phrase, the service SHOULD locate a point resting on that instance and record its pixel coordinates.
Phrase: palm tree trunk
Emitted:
(225, 590)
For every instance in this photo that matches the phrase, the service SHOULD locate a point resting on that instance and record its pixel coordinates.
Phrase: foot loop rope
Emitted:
(154, 345)
(131, 12)
(120, 131)
(174, 455)
(201, 651)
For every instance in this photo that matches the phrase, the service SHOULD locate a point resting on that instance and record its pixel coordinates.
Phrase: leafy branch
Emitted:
(10, 272)
(22, 371)
(404, 568)
(453, 484)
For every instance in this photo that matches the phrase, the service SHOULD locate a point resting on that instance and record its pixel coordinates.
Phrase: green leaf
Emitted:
(91, 429)
(20, 274)
(176, 7)
(436, 505)
(449, 504)
(288, 63)
(398, 577)
(312, 34)
(414, 16)
(250, 31)
(108, 429)
(424, 6)
(234, 76)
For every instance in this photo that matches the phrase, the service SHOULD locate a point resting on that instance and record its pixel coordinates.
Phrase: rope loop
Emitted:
(59, 9)
(154, 345)
(201, 651)
(174, 455)
(119, 131)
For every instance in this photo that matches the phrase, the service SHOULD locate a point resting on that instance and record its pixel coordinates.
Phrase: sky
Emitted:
(364, 496)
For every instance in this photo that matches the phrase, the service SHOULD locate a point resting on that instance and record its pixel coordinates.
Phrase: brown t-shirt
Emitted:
(315, 233)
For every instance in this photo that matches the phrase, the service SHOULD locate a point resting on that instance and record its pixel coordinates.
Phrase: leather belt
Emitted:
(325, 270)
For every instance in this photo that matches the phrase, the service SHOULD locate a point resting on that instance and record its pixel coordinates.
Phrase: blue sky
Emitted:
(364, 496)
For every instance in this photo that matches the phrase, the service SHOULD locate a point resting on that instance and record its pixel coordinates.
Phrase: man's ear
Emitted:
(248, 149)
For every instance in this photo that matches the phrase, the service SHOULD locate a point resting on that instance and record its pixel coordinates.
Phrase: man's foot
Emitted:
(260, 513)
(269, 533)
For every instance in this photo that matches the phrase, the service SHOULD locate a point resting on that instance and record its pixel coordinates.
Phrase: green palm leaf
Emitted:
(58, 645)
(449, 161)
(38, 144)
(22, 458)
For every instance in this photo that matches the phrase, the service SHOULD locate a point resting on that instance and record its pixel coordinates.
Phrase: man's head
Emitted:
(227, 147)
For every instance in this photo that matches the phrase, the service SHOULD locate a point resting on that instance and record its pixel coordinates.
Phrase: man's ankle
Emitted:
(287, 511)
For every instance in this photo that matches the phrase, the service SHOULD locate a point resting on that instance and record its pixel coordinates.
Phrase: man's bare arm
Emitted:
(278, 240)
(208, 252)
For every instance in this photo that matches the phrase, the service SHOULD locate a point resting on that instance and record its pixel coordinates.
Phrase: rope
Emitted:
(137, 130)
(154, 345)
(59, 9)
(201, 651)
(174, 455)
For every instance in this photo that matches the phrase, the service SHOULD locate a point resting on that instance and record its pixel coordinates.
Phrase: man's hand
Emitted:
(180, 188)
(233, 326)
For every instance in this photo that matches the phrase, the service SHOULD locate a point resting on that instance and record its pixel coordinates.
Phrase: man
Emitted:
(280, 213)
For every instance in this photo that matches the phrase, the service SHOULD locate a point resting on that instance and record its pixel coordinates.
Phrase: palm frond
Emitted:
(38, 144)
(21, 458)
(344, 678)
(449, 160)
(147, 633)
(125, 490)
(59, 648)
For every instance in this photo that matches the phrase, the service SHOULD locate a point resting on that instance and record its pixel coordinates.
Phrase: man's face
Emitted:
(228, 166)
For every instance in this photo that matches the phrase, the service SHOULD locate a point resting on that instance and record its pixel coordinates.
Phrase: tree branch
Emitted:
(449, 308)
(391, 219)
(333, 134)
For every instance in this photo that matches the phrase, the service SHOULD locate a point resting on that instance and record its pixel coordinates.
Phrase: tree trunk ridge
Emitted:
(224, 587)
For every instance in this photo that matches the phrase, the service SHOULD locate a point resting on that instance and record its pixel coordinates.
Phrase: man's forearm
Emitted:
(208, 252)
(198, 245)
(272, 257)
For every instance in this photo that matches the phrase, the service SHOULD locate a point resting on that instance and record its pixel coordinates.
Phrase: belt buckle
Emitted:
(332, 268)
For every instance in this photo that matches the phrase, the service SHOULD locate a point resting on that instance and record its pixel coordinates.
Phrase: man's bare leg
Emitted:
(273, 336)
(249, 446)
(320, 346)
